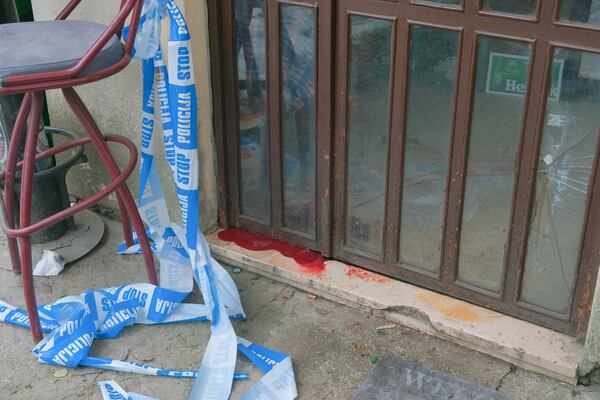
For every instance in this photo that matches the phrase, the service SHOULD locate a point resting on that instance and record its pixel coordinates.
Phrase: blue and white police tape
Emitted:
(175, 89)
(278, 383)
(73, 322)
(17, 316)
(142, 369)
(112, 391)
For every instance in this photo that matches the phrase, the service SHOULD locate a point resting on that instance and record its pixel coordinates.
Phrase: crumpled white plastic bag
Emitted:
(51, 264)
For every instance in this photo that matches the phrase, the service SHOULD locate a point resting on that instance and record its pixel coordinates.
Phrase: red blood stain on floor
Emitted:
(354, 272)
(310, 260)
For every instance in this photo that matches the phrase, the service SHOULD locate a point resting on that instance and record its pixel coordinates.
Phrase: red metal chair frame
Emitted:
(33, 85)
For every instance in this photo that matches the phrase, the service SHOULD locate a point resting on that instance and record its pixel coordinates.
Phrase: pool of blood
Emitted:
(308, 259)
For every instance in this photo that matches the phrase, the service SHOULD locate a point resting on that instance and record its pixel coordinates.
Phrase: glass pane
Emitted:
(252, 100)
(368, 128)
(498, 109)
(562, 182)
(430, 109)
(449, 2)
(298, 114)
(522, 7)
(584, 11)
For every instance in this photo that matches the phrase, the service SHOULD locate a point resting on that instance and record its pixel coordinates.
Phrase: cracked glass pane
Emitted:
(564, 170)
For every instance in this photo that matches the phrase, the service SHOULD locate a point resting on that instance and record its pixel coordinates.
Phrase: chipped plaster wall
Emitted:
(115, 103)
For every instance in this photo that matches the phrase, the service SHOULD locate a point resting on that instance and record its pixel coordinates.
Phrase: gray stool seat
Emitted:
(45, 46)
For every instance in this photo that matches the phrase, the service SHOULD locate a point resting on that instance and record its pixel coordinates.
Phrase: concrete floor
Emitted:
(330, 344)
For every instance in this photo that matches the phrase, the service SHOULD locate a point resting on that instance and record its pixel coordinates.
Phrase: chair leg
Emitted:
(125, 221)
(25, 213)
(9, 180)
(99, 142)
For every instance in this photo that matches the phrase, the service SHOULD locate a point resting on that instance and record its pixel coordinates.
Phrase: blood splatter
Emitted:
(354, 272)
(310, 260)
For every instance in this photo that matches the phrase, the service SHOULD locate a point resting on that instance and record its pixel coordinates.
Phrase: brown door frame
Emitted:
(222, 32)
(542, 30)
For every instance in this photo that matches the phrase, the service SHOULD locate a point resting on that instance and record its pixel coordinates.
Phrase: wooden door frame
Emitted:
(222, 42)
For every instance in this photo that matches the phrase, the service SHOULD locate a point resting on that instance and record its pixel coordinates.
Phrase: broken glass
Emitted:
(565, 166)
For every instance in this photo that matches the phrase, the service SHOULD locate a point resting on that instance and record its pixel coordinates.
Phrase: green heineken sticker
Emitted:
(508, 75)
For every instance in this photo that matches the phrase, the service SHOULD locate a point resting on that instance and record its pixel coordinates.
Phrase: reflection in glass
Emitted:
(430, 107)
(498, 109)
(521, 7)
(252, 100)
(584, 11)
(298, 113)
(368, 129)
(562, 183)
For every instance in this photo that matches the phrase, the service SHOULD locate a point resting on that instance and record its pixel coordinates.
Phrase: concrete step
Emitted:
(519, 342)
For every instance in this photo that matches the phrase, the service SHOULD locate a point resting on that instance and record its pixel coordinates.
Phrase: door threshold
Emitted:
(518, 342)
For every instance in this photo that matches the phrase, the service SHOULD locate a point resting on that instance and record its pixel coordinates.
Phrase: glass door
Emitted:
(278, 146)
(452, 172)
(448, 143)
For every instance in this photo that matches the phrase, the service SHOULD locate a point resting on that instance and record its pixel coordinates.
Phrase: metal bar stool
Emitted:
(60, 54)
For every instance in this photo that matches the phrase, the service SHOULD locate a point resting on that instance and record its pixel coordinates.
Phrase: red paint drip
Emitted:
(308, 259)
